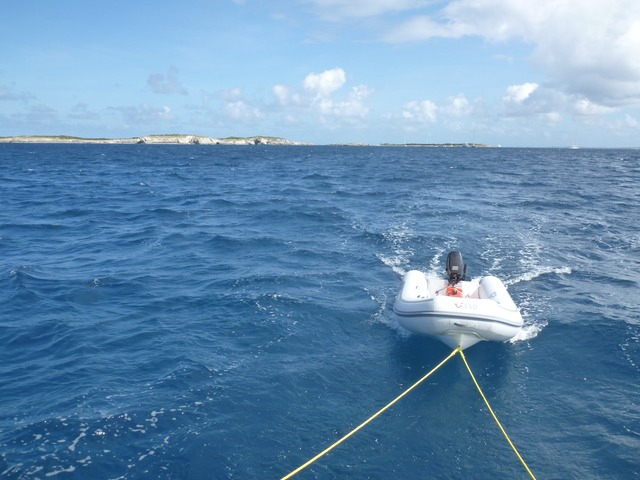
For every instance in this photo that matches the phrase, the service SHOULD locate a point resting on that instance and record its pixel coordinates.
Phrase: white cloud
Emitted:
(237, 108)
(320, 96)
(631, 122)
(354, 106)
(241, 111)
(589, 48)
(457, 106)
(285, 96)
(531, 99)
(546, 103)
(325, 83)
(585, 107)
(424, 111)
(519, 93)
(282, 94)
(232, 94)
(552, 117)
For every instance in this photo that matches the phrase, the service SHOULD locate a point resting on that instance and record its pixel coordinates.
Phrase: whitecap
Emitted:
(395, 263)
(538, 272)
(528, 332)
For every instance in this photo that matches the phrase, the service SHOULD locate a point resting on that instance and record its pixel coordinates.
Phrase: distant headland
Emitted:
(177, 139)
(182, 139)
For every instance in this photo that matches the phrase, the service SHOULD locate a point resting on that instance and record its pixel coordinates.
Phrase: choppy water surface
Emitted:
(225, 312)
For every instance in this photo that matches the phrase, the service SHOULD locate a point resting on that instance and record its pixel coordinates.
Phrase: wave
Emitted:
(396, 263)
(528, 332)
(397, 237)
(538, 272)
(383, 314)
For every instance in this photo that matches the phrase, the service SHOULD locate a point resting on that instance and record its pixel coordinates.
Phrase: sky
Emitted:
(541, 73)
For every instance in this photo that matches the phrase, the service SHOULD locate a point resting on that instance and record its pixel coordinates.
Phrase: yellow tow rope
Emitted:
(494, 416)
(395, 400)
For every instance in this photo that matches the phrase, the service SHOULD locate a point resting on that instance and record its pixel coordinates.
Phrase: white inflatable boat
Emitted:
(456, 311)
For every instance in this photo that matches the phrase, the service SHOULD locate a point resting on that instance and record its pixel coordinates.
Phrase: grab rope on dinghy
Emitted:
(395, 400)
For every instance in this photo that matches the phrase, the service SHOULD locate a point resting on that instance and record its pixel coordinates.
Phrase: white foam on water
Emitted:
(75, 441)
(538, 272)
(528, 332)
(398, 236)
(61, 470)
(629, 346)
(395, 263)
(382, 314)
(435, 268)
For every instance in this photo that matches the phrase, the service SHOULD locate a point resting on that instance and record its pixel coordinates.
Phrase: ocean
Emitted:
(219, 312)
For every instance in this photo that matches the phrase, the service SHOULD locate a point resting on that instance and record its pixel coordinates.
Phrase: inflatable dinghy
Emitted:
(458, 312)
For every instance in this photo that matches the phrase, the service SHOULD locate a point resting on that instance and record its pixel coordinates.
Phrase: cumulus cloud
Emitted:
(166, 84)
(585, 107)
(530, 98)
(519, 93)
(458, 106)
(587, 48)
(242, 111)
(324, 84)
(239, 109)
(354, 106)
(631, 122)
(283, 95)
(424, 111)
(321, 95)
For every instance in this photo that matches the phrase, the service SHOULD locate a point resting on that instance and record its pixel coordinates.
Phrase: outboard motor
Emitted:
(456, 268)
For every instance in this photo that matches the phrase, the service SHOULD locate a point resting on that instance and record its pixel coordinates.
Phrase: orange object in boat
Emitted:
(453, 291)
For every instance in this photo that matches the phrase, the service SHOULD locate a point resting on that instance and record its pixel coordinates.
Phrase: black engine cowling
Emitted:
(456, 268)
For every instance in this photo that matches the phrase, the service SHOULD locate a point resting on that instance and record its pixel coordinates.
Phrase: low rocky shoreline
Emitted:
(202, 140)
(154, 139)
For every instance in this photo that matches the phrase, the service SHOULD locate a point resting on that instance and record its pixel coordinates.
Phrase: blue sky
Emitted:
(502, 72)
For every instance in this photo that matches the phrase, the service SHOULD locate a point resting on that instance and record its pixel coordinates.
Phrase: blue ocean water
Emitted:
(211, 312)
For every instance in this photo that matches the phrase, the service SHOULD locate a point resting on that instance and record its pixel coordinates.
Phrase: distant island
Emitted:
(175, 139)
(183, 139)
(451, 145)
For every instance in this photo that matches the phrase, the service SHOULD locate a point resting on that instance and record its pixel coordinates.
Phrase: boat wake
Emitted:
(532, 310)
(400, 253)
(528, 276)
(383, 315)
(528, 332)
(396, 263)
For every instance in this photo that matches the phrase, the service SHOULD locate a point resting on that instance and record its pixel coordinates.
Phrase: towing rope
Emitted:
(495, 417)
(395, 400)
(370, 419)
